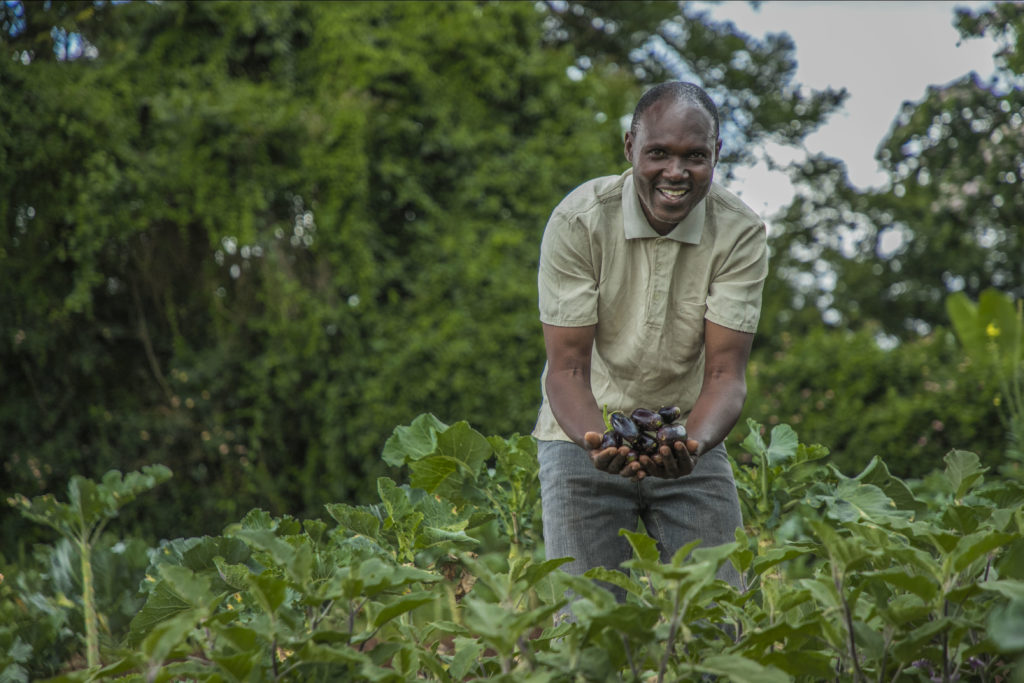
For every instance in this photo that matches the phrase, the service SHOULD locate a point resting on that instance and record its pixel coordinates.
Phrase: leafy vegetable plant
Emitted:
(848, 578)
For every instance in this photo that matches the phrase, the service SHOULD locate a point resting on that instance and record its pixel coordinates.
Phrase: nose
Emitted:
(675, 169)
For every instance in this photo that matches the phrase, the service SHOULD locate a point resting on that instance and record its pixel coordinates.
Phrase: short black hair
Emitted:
(681, 91)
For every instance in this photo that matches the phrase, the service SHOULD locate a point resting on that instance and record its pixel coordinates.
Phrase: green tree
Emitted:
(245, 240)
(950, 219)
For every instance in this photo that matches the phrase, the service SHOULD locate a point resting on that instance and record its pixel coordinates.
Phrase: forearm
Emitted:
(573, 403)
(716, 410)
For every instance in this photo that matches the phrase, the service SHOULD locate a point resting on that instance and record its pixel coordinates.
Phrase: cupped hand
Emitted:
(614, 460)
(672, 462)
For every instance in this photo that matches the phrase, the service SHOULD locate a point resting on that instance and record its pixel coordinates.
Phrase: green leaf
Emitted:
(295, 559)
(780, 554)
(467, 654)
(783, 445)
(395, 499)
(852, 501)
(909, 644)
(743, 556)
(645, 547)
(616, 578)
(358, 520)
(536, 571)
(459, 457)
(739, 669)
(963, 313)
(923, 586)
(169, 635)
(877, 473)
(1006, 627)
(963, 470)
(516, 455)
(269, 591)
(1011, 589)
(977, 545)
(405, 603)
(180, 591)
(847, 554)
(754, 443)
(240, 664)
(998, 308)
(411, 443)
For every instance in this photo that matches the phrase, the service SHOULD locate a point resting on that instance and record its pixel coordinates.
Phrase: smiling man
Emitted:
(650, 292)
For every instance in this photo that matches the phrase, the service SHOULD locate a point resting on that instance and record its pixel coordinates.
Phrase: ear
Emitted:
(627, 148)
(718, 150)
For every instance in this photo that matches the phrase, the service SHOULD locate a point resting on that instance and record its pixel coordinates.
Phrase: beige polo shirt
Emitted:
(649, 295)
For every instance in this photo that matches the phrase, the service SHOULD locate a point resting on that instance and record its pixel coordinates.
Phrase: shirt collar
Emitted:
(687, 231)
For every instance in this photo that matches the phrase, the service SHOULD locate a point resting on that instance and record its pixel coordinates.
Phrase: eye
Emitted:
(656, 154)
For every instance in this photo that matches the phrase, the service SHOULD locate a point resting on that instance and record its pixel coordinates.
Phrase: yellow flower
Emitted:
(996, 401)
(992, 330)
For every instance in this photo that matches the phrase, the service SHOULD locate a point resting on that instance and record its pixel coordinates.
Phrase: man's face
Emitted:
(673, 154)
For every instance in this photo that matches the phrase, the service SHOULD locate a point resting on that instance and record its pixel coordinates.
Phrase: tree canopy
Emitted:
(246, 240)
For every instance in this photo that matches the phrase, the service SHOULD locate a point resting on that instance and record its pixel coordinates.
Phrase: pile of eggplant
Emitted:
(644, 431)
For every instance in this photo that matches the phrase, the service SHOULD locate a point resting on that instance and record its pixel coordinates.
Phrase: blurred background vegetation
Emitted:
(247, 240)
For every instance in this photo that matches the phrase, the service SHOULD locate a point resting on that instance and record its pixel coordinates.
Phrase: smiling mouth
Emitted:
(673, 193)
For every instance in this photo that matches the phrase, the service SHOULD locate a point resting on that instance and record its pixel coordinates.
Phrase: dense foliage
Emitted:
(845, 578)
(244, 239)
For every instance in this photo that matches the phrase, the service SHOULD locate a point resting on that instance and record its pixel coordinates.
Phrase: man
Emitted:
(650, 292)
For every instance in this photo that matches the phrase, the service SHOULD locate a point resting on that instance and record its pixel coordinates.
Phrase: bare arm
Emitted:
(724, 390)
(572, 400)
(568, 380)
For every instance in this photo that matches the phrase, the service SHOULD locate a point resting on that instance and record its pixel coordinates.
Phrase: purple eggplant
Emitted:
(647, 420)
(624, 427)
(669, 434)
(669, 414)
(646, 444)
(610, 440)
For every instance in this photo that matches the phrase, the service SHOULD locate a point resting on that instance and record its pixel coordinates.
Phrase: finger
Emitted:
(630, 469)
(692, 445)
(671, 466)
(602, 458)
(653, 465)
(617, 463)
(685, 464)
(592, 440)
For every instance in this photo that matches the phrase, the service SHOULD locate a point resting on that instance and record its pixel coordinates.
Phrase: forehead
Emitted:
(670, 120)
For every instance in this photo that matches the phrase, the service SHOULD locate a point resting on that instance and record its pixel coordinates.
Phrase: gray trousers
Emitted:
(584, 508)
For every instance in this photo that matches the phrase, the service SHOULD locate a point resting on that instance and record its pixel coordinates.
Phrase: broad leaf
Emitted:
(401, 605)
(783, 444)
(739, 669)
(354, 519)
(963, 470)
(408, 444)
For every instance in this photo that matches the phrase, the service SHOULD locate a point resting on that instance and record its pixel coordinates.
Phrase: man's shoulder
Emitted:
(730, 207)
(595, 196)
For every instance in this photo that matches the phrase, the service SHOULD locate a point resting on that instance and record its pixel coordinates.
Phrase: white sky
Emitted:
(883, 53)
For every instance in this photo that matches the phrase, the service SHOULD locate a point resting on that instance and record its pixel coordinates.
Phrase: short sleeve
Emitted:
(734, 294)
(567, 277)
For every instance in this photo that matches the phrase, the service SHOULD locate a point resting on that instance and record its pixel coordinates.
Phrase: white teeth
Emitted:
(673, 193)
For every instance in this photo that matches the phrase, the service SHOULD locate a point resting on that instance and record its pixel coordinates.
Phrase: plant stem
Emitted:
(677, 617)
(945, 646)
(92, 631)
(859, 675)
(629, 657)
(273, 657)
